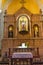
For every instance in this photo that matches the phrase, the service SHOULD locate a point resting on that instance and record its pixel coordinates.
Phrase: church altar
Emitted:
(22, 55)
(19, 58)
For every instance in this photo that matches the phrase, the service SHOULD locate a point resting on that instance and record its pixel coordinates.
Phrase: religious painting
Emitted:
(23, 24)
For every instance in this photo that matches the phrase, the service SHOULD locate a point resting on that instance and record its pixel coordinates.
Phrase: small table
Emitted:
(21, 56)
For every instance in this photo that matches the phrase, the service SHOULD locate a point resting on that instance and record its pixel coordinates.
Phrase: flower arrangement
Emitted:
(27, 44)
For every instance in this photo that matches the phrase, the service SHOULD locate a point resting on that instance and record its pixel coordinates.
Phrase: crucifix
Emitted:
(22, 2)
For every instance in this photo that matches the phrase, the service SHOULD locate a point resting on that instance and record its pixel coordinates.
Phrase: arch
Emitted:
(36, 30)
(23, 21)
(24, 15)
(10, 31)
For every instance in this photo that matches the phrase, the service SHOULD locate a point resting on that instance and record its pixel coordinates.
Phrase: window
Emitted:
(10, 31)
(36, 30)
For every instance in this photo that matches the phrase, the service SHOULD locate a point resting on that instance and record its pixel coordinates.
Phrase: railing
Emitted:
(35, 51)
(38, 63)
(4, 63)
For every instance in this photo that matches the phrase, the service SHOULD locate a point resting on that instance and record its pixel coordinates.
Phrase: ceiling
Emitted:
(12, 6)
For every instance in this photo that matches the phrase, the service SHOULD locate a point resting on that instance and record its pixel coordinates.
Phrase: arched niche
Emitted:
(36, 30)
(23, 24)
(10, 31)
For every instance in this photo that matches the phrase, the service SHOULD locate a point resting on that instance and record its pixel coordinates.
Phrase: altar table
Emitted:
(21, 56)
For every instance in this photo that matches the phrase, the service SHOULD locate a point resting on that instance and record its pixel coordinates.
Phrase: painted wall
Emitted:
(31, 5)
(3, 3)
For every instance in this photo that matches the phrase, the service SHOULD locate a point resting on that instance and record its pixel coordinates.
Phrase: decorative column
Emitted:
(1, 26)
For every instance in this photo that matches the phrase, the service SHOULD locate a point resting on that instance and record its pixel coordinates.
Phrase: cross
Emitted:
(22, 2)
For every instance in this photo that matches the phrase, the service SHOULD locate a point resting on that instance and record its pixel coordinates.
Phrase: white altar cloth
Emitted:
(22, 55)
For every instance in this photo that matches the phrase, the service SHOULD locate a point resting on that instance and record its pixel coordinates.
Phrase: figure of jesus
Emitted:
(23, 26)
